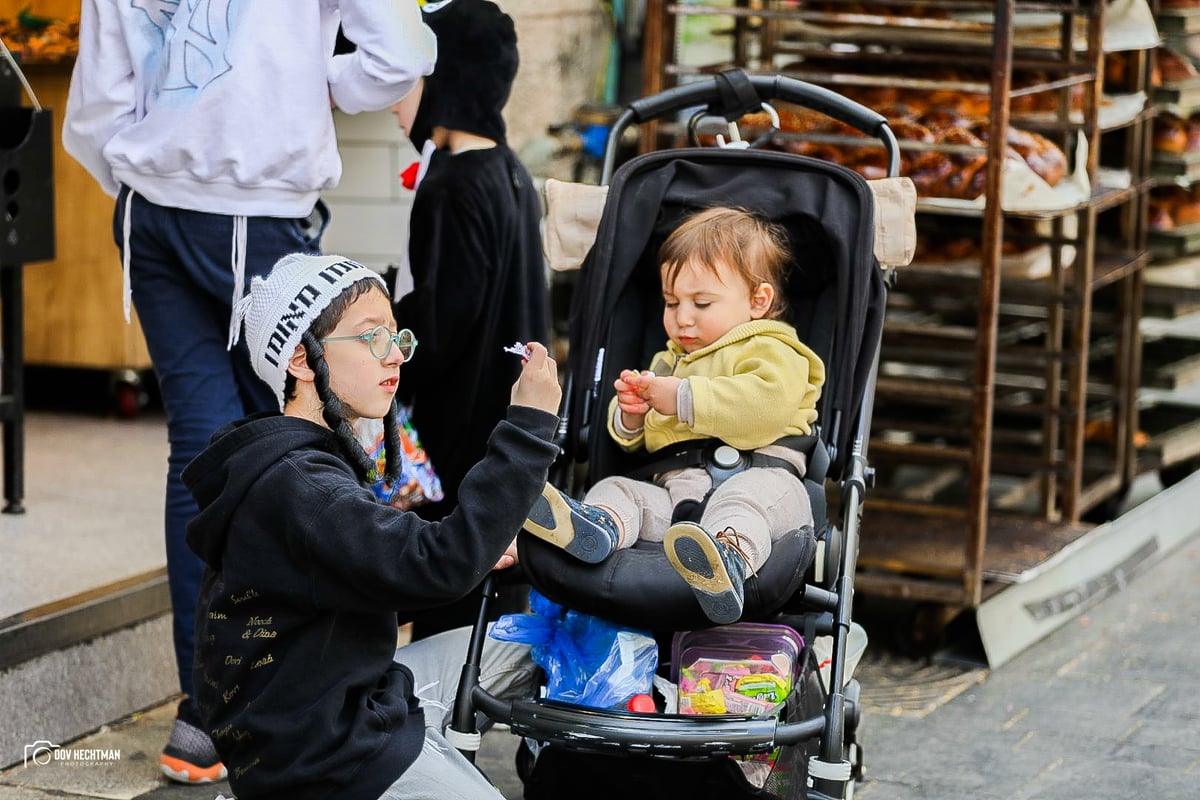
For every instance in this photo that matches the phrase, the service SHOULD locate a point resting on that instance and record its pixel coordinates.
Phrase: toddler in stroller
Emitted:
(835, 297)
(732, 371)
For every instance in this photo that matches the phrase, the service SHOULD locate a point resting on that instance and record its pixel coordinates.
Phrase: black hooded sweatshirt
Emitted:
(306, 573)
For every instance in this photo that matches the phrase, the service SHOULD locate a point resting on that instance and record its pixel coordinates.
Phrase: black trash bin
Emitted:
(26, 185)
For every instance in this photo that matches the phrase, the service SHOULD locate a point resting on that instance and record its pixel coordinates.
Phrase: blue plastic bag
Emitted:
(588, 661)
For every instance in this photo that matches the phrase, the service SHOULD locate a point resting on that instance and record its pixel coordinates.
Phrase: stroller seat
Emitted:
(835, 296)
(637, 586)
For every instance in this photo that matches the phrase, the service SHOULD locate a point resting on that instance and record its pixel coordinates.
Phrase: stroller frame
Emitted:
(825, 601)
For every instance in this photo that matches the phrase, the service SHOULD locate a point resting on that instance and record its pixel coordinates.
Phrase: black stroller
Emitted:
(836, 293)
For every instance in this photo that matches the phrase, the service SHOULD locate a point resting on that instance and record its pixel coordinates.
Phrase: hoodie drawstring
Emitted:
(238, 257)
(126, 283)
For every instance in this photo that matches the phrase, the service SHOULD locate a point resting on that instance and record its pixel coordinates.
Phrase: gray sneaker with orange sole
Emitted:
(190, 757)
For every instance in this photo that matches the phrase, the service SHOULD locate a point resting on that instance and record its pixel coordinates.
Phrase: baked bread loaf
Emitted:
(958, 173)
(1044, 157)
(1187, 213)
(1193, 133)
(1173, 67)
(1170, 134)
(1171, 207)
(1158, 218)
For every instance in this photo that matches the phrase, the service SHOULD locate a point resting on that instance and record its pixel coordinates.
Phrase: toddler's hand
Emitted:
(537, 386)
(661, 394)
(629, 398)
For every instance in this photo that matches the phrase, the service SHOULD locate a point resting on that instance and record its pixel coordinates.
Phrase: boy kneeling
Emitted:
(298, 678)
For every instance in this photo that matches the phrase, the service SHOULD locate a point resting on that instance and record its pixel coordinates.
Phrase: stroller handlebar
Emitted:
(727, 102)
(650, 734)
(732, 93)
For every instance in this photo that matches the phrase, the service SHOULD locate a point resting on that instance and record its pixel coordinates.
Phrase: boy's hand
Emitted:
(509, 559)
(537, 386)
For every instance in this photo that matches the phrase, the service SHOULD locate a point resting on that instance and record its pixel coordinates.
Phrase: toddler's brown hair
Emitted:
(752, 246)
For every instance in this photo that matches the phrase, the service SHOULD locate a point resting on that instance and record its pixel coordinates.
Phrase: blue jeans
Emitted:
(181, 272)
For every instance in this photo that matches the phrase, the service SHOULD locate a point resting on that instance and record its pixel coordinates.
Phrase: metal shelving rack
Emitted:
(987, 386)
(1169, 406)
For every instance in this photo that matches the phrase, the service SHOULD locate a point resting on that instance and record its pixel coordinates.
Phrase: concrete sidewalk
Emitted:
(1106, 707)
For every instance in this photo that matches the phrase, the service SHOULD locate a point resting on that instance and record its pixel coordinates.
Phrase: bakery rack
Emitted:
(1006, 408)
(1169, 403)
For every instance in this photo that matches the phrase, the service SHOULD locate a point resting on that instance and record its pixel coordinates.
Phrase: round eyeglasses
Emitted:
(380, 340)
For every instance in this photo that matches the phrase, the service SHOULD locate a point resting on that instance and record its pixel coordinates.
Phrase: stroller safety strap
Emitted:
(738, 96)
(722, 461)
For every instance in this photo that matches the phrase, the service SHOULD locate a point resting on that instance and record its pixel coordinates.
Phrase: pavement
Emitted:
(1105, 707)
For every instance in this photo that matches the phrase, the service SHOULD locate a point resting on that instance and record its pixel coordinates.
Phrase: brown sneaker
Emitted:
(714, 566)
(586, 532)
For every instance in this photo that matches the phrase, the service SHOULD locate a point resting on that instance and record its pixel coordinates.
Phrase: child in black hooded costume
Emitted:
(298, 679)
(475, 246)
(476, 254)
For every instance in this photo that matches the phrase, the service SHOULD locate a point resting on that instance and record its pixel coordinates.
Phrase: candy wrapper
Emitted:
(518, 349)
(418, 483)
(746, 686)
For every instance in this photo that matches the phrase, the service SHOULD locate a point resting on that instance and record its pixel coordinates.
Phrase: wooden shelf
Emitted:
(931, 546)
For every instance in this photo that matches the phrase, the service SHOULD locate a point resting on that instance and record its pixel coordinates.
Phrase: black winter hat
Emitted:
(476, 64)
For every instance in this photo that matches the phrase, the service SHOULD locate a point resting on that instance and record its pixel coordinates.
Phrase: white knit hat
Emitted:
(280, 307)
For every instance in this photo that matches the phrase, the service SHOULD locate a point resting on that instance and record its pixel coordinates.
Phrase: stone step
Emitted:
(70, 666)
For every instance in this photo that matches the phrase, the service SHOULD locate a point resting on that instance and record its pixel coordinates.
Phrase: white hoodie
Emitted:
(224, 106)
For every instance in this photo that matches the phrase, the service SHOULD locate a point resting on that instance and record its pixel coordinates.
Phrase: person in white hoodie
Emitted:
(211, 123)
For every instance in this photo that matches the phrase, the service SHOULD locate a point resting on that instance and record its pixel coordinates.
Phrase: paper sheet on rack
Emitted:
(1128, 25)
(1119, 109)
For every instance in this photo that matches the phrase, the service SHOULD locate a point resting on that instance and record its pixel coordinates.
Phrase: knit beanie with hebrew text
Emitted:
(280, 307)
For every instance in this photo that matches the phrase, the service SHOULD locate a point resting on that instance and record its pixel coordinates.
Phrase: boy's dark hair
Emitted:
(755, 248)
(332, 409)
(326, 321)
